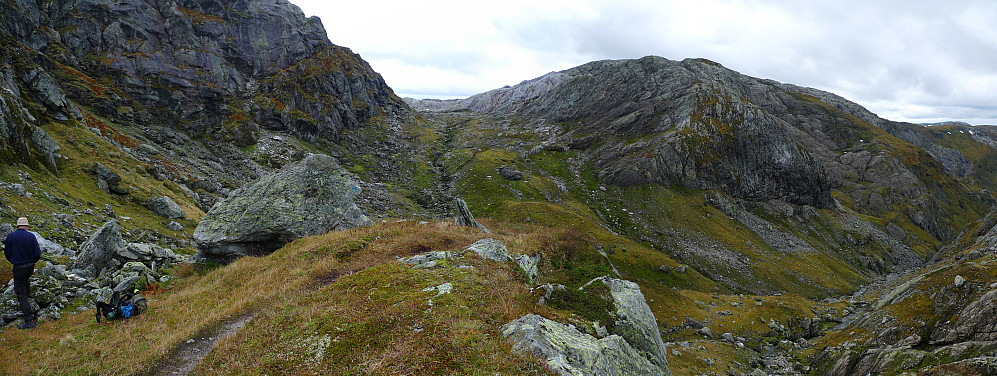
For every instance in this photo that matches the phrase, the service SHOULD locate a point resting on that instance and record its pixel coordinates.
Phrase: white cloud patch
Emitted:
(919, 61)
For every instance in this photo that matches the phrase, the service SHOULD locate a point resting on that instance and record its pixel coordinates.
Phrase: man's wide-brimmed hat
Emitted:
(22, 221)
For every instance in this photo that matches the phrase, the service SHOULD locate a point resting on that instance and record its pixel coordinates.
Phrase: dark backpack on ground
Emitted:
(122, 306)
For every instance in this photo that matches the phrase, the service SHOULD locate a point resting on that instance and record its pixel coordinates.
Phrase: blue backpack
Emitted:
(122, 307)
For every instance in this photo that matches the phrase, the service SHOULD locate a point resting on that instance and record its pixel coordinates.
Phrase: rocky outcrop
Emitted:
(634, 346)
(634, 320)
(227, 71)
(96, 255)
(20, 139)
(165, 207)
(311, 197)
(569, 352)
(975, 322)
(463, 216)
(490, 249)
(147, 46)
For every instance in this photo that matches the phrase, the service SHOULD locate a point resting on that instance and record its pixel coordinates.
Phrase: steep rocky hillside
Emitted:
(693, 219)
(797, 176)
(202, 96)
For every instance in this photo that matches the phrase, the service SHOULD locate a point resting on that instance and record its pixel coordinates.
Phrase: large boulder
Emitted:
(165, 206)
(106, 174)
(572, 353)
(634, 347)
(635, 321)
(97, 253)
(310, 197)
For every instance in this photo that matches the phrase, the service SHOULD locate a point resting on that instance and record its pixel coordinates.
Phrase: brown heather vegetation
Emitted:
(346, 286)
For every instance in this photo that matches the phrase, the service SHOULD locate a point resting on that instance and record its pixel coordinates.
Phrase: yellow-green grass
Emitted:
(346, 279)
(482, 185)
(346, 289)
(692, 361)
(683, 211)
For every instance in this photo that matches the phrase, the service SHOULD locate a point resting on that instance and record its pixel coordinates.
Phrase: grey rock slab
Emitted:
(50, 247)
(145, 253)
(530, 266)
(490, 249)
(635, 321)
(311, 197)
(426, 260)
(165, 207)
(103, 172)
(98, 252)
(463, 217)
(570, 352)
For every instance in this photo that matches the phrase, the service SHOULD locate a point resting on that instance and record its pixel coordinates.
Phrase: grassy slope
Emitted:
(346, 289)
(76, 189)
(344, 285)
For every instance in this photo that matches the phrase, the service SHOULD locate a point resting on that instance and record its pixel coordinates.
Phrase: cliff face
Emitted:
(220, 68)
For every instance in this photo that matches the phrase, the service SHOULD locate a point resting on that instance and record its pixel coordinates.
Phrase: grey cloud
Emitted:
(893, 56)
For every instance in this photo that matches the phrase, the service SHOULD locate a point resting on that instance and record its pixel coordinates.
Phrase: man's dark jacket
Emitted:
(21, 248)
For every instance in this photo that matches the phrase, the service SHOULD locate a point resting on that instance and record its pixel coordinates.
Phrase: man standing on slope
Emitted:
(21, 249)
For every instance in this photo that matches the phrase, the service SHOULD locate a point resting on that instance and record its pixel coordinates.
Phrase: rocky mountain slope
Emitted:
(666, 216)
(802, 171)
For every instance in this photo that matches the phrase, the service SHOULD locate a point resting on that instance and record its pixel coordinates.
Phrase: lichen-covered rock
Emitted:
(426, 260)
(166, 207)
(97, 253)
(633, 348)
(463, 217)
(490, 249)
(530, 266)
(145, 253)
(50, 247)
(572, 353)
(634, 320)
(975, 322)
(310, 197)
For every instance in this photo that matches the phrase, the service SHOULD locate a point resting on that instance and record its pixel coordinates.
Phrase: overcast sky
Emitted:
(919, 61)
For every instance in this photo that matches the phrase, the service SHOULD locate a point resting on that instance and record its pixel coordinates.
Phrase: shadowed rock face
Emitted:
(311, 197)
(191, 65)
